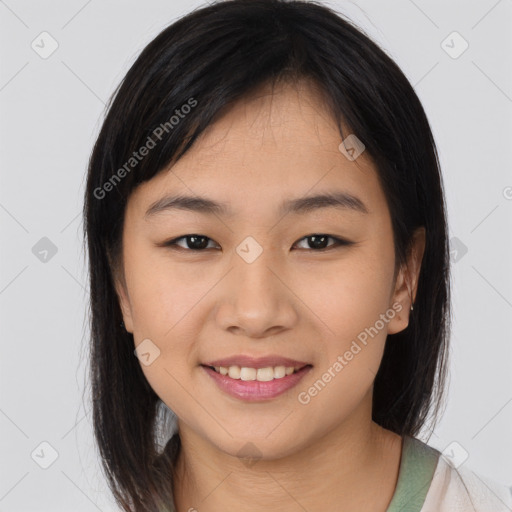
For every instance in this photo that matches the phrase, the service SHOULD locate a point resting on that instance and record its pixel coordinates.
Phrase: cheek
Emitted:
(352, 302)
(352, 308)
(347, 296)
(165, 309)
(165, 306)
(163, 294)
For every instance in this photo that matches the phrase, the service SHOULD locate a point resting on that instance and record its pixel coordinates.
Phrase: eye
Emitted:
(193, 242)
(318, 241)
(199, 243)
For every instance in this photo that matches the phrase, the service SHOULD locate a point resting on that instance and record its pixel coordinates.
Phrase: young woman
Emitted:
(269, 271)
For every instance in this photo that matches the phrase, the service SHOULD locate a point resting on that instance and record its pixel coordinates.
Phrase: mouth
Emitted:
(262, 374)
(253, 380)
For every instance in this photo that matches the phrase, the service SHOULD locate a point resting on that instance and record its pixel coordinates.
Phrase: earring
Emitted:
(412, 307)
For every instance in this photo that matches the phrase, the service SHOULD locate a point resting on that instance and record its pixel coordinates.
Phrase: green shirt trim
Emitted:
(417, 466)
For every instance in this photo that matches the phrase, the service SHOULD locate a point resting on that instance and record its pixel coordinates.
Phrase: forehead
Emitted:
(269, 146)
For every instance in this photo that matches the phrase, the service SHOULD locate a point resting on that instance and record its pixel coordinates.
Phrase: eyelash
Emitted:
(339, 242)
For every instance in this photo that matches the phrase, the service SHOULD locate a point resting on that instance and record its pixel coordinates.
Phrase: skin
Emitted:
(293, 300)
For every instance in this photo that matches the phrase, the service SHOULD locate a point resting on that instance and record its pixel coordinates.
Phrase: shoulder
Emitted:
(461, 490)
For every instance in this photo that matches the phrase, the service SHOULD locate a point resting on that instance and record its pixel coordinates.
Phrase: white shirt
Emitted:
(462, 490)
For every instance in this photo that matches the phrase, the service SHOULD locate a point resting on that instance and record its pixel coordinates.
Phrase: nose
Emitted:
(257, 300)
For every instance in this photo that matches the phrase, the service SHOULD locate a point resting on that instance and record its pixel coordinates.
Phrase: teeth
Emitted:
(247, 373)
(280, 372)
(261, 374)
(234, 372)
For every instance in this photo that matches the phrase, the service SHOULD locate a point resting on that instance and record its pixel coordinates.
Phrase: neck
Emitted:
(347, 470)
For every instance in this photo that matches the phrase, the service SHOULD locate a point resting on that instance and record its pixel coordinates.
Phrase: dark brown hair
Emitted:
(214, 56)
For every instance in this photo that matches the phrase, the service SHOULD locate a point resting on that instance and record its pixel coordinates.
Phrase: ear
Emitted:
(122, 293)
(407, 282)
(124, 303)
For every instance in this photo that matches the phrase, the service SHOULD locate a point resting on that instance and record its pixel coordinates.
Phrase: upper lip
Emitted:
(256, 362)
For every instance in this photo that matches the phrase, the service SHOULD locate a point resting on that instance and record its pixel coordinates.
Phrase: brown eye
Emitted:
(193, 242)
(319, 241)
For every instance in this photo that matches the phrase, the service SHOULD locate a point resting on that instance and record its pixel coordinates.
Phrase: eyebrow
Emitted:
(340, 200)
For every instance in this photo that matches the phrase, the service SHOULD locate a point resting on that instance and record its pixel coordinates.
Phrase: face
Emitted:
(259, 286)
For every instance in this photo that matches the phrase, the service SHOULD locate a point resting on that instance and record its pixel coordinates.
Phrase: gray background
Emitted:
(51, 111)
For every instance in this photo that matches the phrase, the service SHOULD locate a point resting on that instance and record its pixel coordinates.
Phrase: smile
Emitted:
(256, 384)
(260, 374)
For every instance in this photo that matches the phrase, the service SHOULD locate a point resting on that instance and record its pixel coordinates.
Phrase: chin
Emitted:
(251, 448)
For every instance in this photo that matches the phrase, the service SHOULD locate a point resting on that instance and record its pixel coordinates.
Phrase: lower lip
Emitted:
(254, 390)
